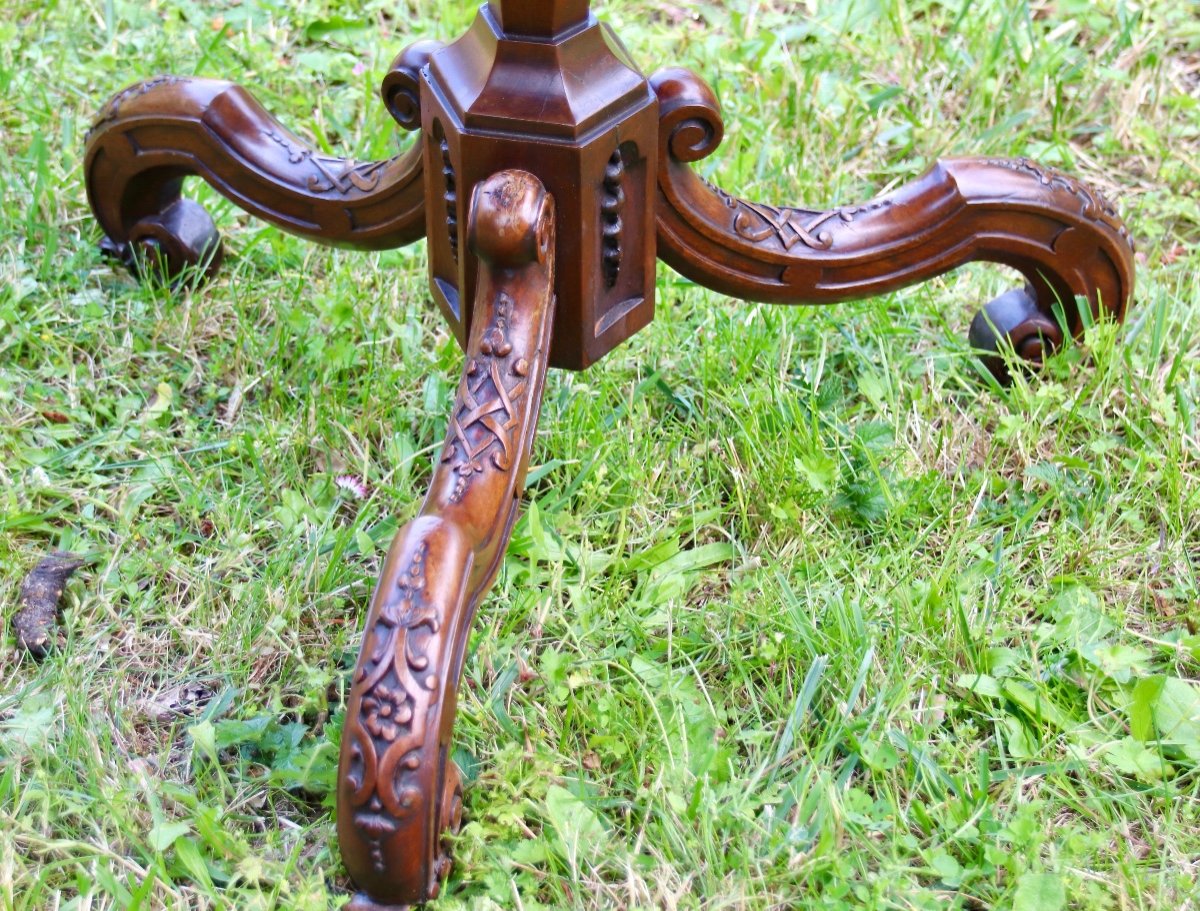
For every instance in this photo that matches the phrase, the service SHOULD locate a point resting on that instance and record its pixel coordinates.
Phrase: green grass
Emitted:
(802, 613)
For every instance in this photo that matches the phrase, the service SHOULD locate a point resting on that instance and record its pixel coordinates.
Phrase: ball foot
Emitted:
(363, 902)
(1012, 329)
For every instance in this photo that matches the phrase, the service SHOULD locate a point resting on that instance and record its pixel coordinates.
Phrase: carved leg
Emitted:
(398, 791)
(156, 133)
(1065, 239)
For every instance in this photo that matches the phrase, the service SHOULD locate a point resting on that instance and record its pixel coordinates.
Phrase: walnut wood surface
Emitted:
(397, 789)
(578, 171)
(539, 18)
(154, 134)
(1063, 237)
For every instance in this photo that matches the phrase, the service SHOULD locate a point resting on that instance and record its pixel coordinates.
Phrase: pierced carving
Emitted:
(489, 405)
(449, 188)
(612, 205)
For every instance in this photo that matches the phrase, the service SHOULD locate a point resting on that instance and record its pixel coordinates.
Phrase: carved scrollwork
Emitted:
(331, 175)
(690, 124)
(1066, 239)
(787, 226)
(397, 789)
(151, 136)
(401, 89)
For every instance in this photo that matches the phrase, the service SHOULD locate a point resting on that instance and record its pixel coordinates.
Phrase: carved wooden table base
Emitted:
(547, 177)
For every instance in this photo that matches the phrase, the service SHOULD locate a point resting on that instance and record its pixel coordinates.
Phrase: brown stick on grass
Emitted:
(41, 594)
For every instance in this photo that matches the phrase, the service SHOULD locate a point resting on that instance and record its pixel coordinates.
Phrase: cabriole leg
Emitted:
(398, 790)
(1066, 240)
(154, 134)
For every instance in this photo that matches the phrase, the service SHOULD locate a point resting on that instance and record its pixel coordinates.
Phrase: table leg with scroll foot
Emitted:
(1065, 239)
(153, 135)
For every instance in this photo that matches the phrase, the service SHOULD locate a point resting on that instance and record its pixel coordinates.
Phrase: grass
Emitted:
(802, 613)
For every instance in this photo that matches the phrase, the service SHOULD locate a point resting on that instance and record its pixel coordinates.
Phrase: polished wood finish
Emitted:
(397, 790)
(539, 20)
(1065, 239)
(547, 176)
(156, 133)
(574, 108)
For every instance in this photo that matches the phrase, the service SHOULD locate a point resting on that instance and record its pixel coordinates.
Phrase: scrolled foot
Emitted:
(153, 135)
(1066, 240)
(398, 792)
(1011, 328)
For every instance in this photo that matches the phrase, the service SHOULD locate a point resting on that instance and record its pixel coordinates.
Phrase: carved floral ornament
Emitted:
(397, 689)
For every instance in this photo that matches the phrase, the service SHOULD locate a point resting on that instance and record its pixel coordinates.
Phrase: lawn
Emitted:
(802, 611)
